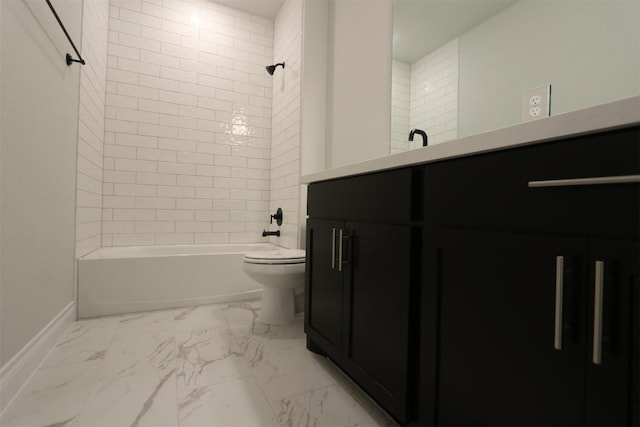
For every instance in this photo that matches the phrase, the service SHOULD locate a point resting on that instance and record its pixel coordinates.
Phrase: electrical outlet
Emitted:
(536, 103)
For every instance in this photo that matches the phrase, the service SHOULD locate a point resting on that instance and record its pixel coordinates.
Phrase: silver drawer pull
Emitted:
(333, 249)
(557, 339)
(597, 314)
(340, 252)
(605, 180)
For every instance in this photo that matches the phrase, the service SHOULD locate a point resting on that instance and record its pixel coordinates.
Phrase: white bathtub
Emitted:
(139, 278)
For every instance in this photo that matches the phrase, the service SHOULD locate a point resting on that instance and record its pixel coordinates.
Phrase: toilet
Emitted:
(279, 271)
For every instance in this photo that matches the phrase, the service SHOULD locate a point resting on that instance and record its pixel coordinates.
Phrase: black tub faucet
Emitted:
(421, 133)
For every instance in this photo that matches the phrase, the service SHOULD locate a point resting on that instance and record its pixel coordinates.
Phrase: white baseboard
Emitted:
(17, 371)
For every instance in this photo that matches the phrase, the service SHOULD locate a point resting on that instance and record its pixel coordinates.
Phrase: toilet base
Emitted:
(278, 306)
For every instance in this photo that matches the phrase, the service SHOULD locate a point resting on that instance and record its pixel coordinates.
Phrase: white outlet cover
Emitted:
(536, 103)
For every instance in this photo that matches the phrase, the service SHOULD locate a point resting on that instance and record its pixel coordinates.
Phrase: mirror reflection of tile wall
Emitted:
(425, 96)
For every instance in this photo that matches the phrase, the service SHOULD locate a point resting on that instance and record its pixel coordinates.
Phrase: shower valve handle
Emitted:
(277, 216)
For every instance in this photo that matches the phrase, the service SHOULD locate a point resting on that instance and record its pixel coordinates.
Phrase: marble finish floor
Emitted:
(213, 365)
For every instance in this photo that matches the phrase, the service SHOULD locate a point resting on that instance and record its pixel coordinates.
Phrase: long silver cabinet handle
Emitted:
(605, 180)
(333, 249)
(340, 252)
(557, 339)
(597, 313)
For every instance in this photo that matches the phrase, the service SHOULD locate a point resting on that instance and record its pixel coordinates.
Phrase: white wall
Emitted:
(38, 164)
(285, 138)
(359, 81)
(91, 127)
(588, 50)
(188, 121)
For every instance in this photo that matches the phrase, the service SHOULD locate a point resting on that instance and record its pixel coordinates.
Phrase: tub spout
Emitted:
(266, 233)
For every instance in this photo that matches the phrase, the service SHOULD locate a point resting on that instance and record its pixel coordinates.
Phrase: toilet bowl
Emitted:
(279, 272)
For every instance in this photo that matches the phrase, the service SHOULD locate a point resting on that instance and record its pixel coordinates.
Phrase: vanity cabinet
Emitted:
(359, 282)
(500, 288)
(517, 324)
(533, 281)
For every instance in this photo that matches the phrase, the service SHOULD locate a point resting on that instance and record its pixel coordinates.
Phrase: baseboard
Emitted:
(17, 371)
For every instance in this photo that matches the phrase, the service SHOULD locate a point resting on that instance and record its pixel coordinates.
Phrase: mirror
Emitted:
(460, 67)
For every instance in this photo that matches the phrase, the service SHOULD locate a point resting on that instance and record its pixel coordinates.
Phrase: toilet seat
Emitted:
(278, 256)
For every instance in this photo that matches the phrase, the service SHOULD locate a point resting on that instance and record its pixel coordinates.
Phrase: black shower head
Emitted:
(272, 68)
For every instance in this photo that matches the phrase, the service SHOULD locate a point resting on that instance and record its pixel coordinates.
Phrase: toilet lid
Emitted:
(277, 256)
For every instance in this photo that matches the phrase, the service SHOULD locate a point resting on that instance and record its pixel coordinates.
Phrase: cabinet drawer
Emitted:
(381, 197)
(491, 190)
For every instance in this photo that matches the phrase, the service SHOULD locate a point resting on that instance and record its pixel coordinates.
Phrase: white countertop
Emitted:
(609, 116)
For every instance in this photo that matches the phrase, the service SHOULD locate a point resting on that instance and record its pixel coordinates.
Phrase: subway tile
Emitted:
(203, 204)
(155, 203)
(119, 176)
(128, 4)
(193, 227)
(158, 107)
(133, 239)
(137, 91)
(176, 97)
(155, 178)
(174, 215)
(159, 83)
(135, 165)
(211, 216)
(195, 181)
(157, 130)
(177, 192)
(136, 140)
(121, 152)
(154, 154)
(155, 227)
(176, 168)
(139, 42)
(212, 193)
(211, 238)
(219, 171)
(134, 190)
(134, 214)
(159, 59)
(136, 116)
(174, 238)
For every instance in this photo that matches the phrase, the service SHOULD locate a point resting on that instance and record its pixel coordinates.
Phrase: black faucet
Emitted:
(421, 133)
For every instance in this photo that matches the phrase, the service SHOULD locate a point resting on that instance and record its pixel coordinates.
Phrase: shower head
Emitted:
(272, 68)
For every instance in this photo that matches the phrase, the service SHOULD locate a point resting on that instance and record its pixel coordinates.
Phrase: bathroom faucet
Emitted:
(421, 133)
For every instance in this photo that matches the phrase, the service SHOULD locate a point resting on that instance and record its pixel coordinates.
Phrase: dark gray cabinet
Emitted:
(359, 281)
(495, 289)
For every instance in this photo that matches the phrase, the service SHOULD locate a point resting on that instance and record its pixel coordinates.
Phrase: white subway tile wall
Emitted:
(93, 77)
(285, 143)
(188, 124)
(400, 99)
(434, 95)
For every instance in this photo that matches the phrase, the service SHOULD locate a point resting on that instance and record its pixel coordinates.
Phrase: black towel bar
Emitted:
(68, 57)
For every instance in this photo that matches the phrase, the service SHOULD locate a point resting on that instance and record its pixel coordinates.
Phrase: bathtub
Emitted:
(119, 280)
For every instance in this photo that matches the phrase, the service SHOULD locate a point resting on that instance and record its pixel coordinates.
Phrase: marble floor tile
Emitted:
(282, 364)
(148, 399)
(140, 353)
(208, 356)
(53, 396)
(86, 340)
(234, 403)
(200, 317)
(213, 365)
(328, 406)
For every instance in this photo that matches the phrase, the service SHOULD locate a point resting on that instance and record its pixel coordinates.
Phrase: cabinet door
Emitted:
(497, 364)
(378, 277)
(324, 290)
(612, 353)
